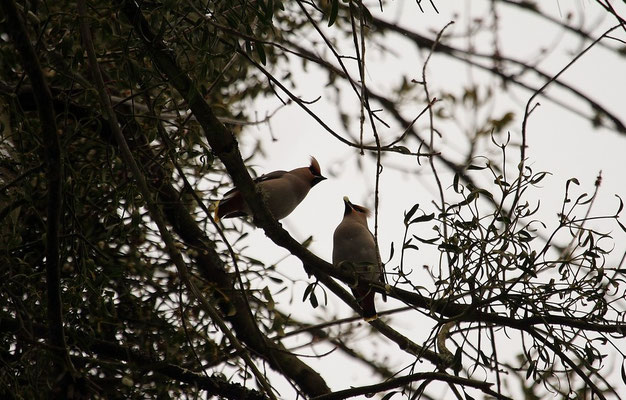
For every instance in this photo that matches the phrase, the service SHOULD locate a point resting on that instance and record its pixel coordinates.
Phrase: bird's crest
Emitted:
(362, 209)
(357, 207)
(315, 167)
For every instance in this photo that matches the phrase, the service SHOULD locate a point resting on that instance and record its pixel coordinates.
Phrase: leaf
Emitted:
(467, 396)
(391, 251)
(471, 197)
(427, 241)
(334, 10)
(621, 205)
(472, 167)
(457, 361)
(449, 247)
(410, 246)
(531, 368)
(423, 218)
(409, 214)
(455, 183)
(313, 300)
(275, 279)
(538, 177)
(268, 296)
(401, 149)
(570, 181)
(390, 395)
(261, 52)
(307, 291)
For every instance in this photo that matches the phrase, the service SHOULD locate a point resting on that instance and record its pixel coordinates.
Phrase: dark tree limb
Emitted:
(54, 173)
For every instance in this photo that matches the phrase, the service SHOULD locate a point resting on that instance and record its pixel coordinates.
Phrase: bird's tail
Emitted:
(365, 297)
(232, 205)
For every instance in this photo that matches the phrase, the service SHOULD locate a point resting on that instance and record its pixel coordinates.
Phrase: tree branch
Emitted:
(485, 387)
(54, 173)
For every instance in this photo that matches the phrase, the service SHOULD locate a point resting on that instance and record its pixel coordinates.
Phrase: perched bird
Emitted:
(282, 190)
(353, 243)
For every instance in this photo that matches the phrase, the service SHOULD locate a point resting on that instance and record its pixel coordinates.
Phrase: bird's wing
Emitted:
(262, 178)
(269, 176)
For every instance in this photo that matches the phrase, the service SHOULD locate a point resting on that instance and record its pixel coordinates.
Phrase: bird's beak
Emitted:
(348, 206)
(317, 179)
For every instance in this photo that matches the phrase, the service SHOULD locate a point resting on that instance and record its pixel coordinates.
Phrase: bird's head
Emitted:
(355, 209)
(316, 172)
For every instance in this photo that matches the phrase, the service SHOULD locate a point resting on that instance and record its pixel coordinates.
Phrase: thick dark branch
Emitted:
(213, 385)
(54, 169)
(485, 387)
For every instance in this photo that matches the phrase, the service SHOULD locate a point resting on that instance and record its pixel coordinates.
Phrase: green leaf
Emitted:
(409, 214)
(313, 300)
(334, 10)
(410, 246)
(268, 296)
(423, 218)
(472, 167)
(258, 46)
(457, 364)
(455, 183)
(539, 177)
(427, 241)
(390, 395)
(401, 149)
(531, 368)
(307, 291)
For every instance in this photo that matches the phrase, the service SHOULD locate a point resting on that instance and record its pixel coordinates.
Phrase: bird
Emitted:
(282, 191)
(353, 243)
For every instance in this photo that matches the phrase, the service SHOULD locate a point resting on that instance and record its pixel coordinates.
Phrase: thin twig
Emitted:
(485, 387)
